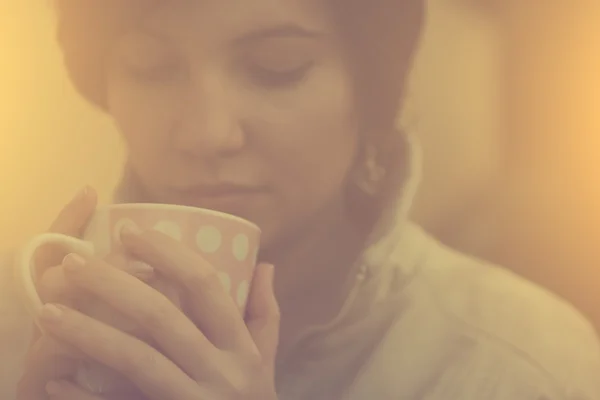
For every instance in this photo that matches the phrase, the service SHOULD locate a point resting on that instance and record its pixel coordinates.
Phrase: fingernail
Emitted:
(140, 269)
(53, 388)
(130, 229)
(73, 261)
(82, 193)
(51, 313)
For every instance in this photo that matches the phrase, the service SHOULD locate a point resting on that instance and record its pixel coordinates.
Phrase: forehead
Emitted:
(189, 18)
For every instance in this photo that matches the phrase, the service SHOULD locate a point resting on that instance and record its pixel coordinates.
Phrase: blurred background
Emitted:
(503, 96)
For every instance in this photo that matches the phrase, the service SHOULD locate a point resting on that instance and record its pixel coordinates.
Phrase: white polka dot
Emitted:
(225, 281)
(242, 293)
(169, 228)
(208, 239)
(241, 247)
(119, 226)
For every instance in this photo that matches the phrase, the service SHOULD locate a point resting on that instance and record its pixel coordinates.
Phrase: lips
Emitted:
(222, 190)
(228, 198)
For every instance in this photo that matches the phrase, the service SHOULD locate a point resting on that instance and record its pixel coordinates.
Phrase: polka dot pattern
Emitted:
(240, 247)
(208, 239)
(170, 229)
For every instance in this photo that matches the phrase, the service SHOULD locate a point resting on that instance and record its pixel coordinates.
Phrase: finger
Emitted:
(210, 306)
(53, 286)
(153, 373)
(262, 314)
(72, 218)
(71, 221)
(169, 327)
(65, 390)
(47, 359)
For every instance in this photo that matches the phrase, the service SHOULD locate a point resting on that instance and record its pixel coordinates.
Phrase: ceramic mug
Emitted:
(227, 242)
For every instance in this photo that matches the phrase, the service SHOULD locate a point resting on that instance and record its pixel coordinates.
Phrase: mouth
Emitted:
(229, 198)
(222, 190)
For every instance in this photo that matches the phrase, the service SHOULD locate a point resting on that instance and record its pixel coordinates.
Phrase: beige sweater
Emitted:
(422, 322)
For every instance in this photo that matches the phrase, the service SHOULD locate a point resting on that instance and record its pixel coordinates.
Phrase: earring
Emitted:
(371, 174)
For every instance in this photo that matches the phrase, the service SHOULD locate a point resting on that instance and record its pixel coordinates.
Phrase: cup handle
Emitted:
(24, 267)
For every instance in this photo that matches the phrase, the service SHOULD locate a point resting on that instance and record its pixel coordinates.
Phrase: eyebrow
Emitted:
(288, 30)
(279, 31)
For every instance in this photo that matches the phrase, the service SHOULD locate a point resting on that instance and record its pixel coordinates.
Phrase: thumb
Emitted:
(73, 217)
(71, 221)
(262, 313)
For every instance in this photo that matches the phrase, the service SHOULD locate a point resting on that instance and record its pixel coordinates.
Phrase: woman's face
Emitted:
(243, 107)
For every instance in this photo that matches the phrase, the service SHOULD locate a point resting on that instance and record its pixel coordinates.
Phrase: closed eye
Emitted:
(278, 78)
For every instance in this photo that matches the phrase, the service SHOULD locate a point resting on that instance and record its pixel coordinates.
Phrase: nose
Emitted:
(208, 126)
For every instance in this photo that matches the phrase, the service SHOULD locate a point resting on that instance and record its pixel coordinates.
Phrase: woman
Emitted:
(282, 112)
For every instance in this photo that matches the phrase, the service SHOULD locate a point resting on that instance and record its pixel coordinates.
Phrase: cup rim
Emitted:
(185, 208)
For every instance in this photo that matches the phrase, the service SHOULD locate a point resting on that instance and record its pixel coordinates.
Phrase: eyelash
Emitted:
(279, 79)
(260, 76)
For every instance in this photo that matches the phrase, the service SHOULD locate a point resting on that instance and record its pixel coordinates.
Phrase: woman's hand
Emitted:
(210, 353)
(47, 359)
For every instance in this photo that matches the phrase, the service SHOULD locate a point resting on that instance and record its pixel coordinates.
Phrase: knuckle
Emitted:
(156, 316)
(75, 213)
(241, 380)
(66, 213)
(137, 364)
(153, 240)
(202, 278)
(73, 324)
(239, 385)
(23, 388)
(52, 287)
(255, 362)
(67, 217)
(47, 347)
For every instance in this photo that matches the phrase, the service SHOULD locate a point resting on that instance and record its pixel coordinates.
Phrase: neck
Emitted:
(313, 272)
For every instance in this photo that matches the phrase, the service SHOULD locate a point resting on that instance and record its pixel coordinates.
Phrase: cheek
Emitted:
(312, 135)
(144, 119)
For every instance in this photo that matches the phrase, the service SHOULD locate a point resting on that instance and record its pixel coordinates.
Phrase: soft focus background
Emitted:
(504, 98)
